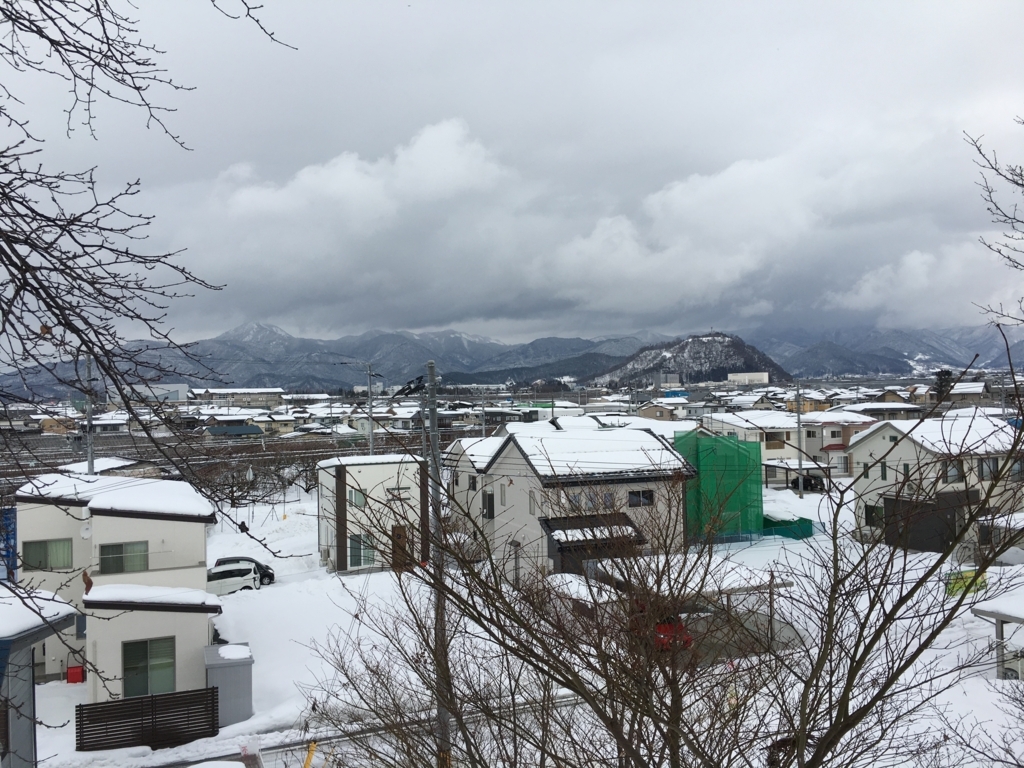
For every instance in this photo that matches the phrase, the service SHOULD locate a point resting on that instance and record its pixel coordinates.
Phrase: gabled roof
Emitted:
(565, 457)
(966, 431)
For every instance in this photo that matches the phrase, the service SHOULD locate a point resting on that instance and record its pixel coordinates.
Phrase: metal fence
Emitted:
(161, 720)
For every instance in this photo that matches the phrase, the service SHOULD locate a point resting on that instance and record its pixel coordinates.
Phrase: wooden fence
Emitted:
(162, 720)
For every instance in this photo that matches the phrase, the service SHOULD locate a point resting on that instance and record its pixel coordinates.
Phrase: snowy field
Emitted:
(282, 621)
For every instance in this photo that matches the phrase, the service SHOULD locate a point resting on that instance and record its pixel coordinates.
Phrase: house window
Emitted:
(49, 555)
(812, 433)
(770, 473)
(455, 476)
(885, 471)
(80, 626)
(148, 666)
(124, 558)
(952, 471)
(1017, 470)
(360, 550)
(501, 491)
(472, 483)
(866, 472)
(987, 468)
(356, 498)
(873, 516)
(836, 433)
(906, 470)
(533, 503)
(488, 505)
(609, 500)
(641, 498)
(844, 464)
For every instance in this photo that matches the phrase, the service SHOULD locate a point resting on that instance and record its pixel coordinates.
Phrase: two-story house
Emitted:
(534, 496)
(915, 480)
(372, 511)
(113, 535)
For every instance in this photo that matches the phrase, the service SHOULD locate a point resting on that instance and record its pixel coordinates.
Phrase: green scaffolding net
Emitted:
(725, 498)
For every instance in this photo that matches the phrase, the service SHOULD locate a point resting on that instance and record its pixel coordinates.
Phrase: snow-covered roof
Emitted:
(108, 494)
(70, 487)
(480, 450)
(862, 407)
(163, 497)
(612, 452)
(383, 458)
(965, 431)
(968, 388)
(666, 429)
(100, 464)
(1008, 606)
(593, 533)
(137, 596)
(689, 574)
(23, 611)
(764, 420)
(835, 417)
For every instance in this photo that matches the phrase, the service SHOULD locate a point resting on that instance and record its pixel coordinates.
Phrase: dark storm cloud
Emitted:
(530, 169)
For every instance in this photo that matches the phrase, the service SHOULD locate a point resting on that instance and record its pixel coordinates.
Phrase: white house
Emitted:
(373, 511)
(120, 531)
(939, 465)
(523, 491)
(775, 430)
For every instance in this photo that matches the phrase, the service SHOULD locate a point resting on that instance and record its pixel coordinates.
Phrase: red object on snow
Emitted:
(76, 674)
(671, 633)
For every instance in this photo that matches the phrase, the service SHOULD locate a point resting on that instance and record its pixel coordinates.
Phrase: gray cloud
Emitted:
(579, 168)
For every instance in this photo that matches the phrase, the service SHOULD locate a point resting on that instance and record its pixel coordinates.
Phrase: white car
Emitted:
(225, 579)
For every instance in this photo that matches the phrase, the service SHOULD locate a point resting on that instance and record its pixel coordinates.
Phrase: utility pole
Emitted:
(90, 462)
(441, 683)
(369, 400)
(799, 444)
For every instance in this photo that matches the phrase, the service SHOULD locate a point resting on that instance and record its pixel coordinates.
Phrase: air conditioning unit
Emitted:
(1013, 665)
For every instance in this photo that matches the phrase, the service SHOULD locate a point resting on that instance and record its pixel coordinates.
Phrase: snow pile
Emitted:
(234, 652)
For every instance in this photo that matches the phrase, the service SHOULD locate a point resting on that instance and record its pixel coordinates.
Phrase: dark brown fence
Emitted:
(163, 720)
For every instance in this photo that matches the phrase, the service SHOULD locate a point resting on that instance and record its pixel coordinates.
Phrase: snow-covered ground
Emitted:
(284, 621)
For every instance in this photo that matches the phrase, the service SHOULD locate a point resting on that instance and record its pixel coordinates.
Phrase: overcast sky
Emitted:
(522, 169)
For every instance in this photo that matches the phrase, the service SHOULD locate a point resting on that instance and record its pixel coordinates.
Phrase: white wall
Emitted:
(109, 629)
(177, 559)
(383, 507)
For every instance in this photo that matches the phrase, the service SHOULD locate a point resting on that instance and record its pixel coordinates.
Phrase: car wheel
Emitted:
(244, 588)
(266, 579)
